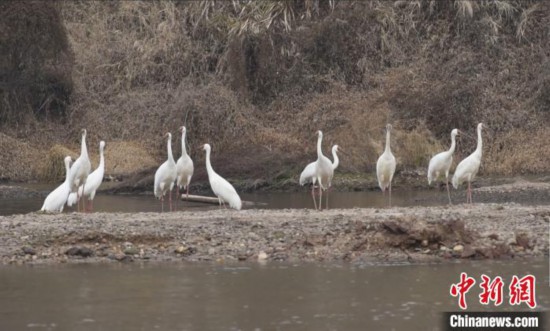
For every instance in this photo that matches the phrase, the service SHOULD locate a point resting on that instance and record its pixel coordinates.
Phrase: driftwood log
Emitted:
(214, 200)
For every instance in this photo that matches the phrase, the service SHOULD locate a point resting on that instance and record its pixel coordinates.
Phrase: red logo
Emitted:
(462, 288)
(520, 290)
(523, 290)
(492, 290)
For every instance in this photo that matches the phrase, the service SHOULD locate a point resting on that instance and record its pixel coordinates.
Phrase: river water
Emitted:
(147, 203)
(364, 199)
(272, 296)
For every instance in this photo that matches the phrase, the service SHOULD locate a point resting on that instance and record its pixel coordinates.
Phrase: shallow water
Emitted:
(183, 296)
(147, 203)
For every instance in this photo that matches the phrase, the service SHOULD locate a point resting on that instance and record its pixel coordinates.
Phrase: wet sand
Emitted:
(395, 235)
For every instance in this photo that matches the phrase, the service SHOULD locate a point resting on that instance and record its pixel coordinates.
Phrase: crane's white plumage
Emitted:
(441, 163)
(308, 174)
(92, 183)
(57, 198)
(468, 168)
(81, 168)
(385, 166)
(323, 169)
(221, 187)
(184, 166)
(335, 162)
(166, 175)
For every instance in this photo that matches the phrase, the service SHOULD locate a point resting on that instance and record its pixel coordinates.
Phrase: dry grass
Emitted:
(519, 152)
(123, 158)
(18, 160)
(36, 63)
(52, 168)
(256, 79)
(415, 148)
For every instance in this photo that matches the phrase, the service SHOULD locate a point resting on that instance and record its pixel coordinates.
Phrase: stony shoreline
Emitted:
(417, 235)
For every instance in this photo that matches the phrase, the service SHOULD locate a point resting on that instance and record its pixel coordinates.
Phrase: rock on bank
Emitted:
(417, 234)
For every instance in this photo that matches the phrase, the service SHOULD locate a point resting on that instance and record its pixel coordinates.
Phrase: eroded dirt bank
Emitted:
(419, 234)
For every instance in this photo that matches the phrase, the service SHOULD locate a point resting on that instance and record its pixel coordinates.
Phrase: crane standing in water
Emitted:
(385, 166)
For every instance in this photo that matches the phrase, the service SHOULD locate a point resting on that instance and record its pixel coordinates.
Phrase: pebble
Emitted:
(131, 250)
(79, 251)
(262, 256)
(458, 249)
(29, 250)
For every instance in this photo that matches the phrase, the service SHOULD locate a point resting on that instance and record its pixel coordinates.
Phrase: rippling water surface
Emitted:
(147, 203)
(244, 296)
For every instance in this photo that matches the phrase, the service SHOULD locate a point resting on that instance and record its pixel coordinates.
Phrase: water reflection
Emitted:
(147, 203)
(401, 197)
(243, 297)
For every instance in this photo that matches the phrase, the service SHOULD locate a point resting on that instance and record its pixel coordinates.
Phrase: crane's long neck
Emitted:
(67, 170)
(453, 144)
(101, 158)
(319, 149)
(388, 149)
(479, 141)
(209, 168)
(83, 149)
(183, 149)
(169, 148)
(336, 161)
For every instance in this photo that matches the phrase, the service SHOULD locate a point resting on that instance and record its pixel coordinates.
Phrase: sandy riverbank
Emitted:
(418, 234)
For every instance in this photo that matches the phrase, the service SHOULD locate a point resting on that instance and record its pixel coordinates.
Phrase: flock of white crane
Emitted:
(322, 170)
(80, 183)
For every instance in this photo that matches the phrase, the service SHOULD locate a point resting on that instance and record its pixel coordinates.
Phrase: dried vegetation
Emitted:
(256, 79)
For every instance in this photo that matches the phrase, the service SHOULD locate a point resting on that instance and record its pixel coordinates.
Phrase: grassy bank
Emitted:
(257, 79)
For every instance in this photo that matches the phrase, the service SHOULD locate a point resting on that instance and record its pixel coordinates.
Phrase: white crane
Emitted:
(57, 198)
(165, 176)
(184, 166)
(441, 163)
(323, 171)
(385, 166)
(80, 169)
(468, 168)
(308, 174)
(92, 183)
(335, 162)
(221, 187)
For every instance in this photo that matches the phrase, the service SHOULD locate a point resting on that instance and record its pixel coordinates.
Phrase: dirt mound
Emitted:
(417, 235)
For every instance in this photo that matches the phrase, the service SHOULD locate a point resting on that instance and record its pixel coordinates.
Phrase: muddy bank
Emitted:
(420, 234)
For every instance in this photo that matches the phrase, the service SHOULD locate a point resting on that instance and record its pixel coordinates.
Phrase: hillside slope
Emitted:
(257, 79)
